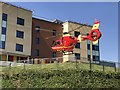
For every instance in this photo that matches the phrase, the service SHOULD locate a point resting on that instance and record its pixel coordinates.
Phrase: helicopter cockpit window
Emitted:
(71, 44)
(72, 37)
(54, 43)
(58, 42)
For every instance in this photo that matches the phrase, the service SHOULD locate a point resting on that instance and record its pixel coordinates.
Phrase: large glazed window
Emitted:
(3, 31)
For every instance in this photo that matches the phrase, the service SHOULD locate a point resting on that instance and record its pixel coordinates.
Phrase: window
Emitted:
(3, 30)
(37, 28)
(95, 53)
(19, 47)
(93, 58)
(88, 46)
(77, 55)
(53, 43)
(94, 47)
(37, 40)
(36, 52)
(54, 32)
(88, 52)
(96, 58)
(20, 21)
(4, 24)
(2, 37)
(77, 45)
(97, 48)
(2, 44)
(89, 58)
(54, 54)
(88, 41)
(76, 33)
(19, 34)
(4, 17)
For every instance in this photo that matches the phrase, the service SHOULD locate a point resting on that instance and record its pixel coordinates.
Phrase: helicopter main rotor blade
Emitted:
(63, 34)
(78, 27)
(75, 28)
(53, 36)
(46, 30)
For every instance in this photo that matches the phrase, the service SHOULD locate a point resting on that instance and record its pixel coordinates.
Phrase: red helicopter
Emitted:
(68, 42)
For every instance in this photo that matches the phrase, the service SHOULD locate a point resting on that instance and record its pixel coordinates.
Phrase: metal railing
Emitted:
(83, 63)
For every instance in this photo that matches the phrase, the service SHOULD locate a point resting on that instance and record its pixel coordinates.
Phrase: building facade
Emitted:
(15, 32)
(85, 50)
(23, 36)
(41, 46)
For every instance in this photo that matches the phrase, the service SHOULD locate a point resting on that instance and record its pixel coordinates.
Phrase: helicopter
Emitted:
(66, 43)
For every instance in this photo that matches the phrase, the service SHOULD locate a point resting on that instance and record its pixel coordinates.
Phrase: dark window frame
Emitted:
(37, 28)
(77, 55)
(4, 16)
(3, 30)
(19, 47)
(95, 47)
(76, 33)
(54, 32)
(37, 40)
(36, 52)
(88, 46)
(96, 58)
(89, 57)
(19, 34)
(77, 45)
(54, 54)
(20, 21)
(2, 44)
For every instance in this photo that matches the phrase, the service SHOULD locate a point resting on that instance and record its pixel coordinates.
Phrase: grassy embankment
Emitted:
(60, 76)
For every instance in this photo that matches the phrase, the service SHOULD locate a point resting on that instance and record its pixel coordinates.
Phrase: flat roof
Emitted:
(16, 6)
(45, 20)
(78, 23)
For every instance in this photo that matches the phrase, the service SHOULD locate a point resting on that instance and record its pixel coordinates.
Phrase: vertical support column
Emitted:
(7, 56)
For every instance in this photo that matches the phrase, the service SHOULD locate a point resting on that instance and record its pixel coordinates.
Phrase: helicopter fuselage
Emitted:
(66, 43)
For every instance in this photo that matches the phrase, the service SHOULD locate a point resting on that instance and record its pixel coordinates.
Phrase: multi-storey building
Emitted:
(41, 30)
(85, 50)
(15, 32)
(22, 36)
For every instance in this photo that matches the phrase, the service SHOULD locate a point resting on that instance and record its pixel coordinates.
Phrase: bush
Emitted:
(68, 78)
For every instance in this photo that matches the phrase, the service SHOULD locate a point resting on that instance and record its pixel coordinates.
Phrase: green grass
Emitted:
(60, 75)
(58, 66)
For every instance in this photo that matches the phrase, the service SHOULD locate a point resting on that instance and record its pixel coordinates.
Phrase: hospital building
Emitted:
(23, 36)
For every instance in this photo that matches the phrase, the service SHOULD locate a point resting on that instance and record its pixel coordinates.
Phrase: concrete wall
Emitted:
(11, 40)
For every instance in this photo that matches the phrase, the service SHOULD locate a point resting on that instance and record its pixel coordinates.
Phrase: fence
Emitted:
(72, 62)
